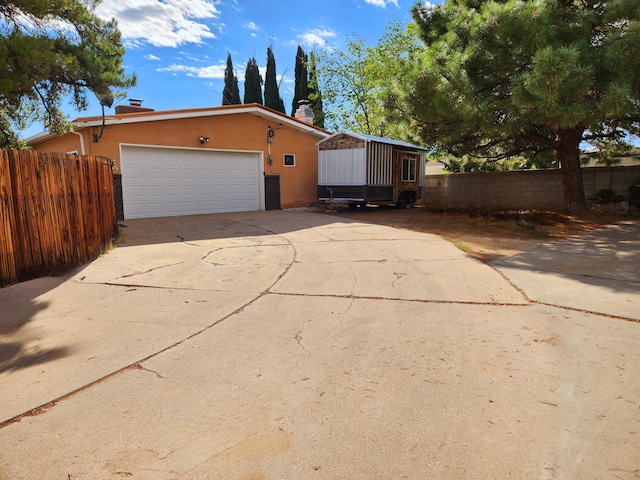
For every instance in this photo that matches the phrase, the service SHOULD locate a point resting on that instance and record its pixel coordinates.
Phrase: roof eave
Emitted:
(127, 118)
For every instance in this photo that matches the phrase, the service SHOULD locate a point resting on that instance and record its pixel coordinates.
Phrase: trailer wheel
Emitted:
(352, 205)
(402, 201)
(412, 199)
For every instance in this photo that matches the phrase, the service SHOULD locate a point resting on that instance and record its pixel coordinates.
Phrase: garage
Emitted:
(164, 182)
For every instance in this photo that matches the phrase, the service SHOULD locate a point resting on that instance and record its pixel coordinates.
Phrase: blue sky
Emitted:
(178, 48)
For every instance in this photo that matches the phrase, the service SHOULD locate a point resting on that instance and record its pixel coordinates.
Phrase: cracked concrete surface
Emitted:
(295, 345)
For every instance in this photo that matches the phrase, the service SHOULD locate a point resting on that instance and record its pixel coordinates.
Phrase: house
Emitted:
(358, 169)
(203, 160)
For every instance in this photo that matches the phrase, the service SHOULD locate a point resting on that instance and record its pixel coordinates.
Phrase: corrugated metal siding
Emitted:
(379, 164)
(342, 167)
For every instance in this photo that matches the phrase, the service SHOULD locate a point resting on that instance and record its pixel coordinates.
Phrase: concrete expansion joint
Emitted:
(409, 300)
(588, 312)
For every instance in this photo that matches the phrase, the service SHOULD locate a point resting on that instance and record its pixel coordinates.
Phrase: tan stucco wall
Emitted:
(241, 131)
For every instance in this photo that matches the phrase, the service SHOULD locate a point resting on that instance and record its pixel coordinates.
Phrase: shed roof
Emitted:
(373, 138)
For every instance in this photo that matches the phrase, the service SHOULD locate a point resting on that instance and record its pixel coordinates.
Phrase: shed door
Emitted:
(162, 182)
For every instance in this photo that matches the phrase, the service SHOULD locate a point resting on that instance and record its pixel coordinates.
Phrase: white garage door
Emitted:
(163, 182)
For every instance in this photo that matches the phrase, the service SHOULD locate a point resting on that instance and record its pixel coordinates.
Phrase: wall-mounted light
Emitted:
(106, 100)
(203, 139)
(270, 133)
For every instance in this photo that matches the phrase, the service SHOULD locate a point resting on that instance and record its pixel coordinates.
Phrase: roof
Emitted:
(160, 115)
(373, 138)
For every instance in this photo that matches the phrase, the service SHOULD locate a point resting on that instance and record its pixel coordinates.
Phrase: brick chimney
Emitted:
(135, 106)
(304, 113)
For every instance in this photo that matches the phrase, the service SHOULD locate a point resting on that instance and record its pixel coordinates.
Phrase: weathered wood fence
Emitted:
(57, 212)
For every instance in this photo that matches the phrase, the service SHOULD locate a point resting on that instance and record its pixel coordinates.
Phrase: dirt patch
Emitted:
(486, 237)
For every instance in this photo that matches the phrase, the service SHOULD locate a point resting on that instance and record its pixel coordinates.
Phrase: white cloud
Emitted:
(151, 57)
(211, 71)
(382, 3)
(162, 23)
(251, 26)
(316, 37)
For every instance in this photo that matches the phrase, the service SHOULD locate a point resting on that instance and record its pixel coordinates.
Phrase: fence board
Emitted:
(57, 212)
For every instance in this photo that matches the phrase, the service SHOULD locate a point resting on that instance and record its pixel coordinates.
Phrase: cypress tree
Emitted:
(252, 83)
(271, 92)
(315, 96)
(301, 90)
(231, 93)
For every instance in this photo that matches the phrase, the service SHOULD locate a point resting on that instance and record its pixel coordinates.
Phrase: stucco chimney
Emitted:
(135, 106)
(304, 113)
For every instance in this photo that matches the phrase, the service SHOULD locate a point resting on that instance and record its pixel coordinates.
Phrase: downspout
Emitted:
(82, 152)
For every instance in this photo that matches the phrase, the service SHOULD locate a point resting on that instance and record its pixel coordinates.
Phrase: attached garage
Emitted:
(165, 181)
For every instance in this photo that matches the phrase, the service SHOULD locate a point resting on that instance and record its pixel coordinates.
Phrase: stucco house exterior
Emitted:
(203, 160)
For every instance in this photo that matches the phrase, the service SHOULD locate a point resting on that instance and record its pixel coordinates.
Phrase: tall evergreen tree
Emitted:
(538, 77)
(271, 91)
(314, 93)
(252, 83)
(231, 93)
(301, 89)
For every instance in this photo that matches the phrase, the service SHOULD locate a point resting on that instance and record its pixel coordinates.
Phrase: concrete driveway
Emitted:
(292, 345)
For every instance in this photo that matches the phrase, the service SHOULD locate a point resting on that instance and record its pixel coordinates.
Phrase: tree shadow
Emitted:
(607, 258)
(19, 305)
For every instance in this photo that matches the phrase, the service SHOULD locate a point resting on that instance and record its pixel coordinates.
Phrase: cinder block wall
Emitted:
(519, 190)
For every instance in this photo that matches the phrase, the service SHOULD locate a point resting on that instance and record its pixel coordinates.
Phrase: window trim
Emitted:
(284, 159)
(411, 172)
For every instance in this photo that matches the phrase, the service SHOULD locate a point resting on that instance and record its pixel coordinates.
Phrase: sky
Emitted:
(178, 48)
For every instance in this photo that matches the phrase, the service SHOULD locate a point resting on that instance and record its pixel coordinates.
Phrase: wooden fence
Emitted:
(57, 212)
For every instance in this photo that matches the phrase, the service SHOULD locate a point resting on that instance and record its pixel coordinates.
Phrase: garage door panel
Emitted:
(169, 182)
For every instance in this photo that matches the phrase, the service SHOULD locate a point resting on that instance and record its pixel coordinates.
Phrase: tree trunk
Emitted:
(569, 157)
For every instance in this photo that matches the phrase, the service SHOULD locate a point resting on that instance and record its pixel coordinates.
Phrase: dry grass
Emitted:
(486, 237)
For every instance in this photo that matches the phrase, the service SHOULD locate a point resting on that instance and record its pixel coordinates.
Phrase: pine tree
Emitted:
(231, 93)
(301, 89)
(271, 92)
(252, 83)
(52, 51)
(527, 77)
(314, 94)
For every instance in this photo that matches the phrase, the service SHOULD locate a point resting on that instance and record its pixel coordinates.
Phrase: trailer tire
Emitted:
(402, 201)
(412, 199)
(352, 205)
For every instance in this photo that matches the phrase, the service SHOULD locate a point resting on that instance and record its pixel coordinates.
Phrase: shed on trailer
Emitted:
(358, 169)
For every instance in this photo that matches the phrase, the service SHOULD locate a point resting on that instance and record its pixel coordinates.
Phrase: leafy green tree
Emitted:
(271, 91)
(356, 83)
(315, 95)
(301, 89)
(52, 51)
(252, 83)
(230, 93)
(501, 78)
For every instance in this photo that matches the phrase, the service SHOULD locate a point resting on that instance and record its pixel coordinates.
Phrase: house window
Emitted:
(289, 160)
(408, 169)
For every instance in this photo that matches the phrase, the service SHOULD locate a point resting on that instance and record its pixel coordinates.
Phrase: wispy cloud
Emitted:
(316, 37)
(152, 57)
(166, 23)
(251, 26)
(210, 71)
(382, 3)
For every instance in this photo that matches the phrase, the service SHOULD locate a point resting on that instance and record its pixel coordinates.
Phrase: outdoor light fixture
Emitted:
(270, 133)
(203, 139)
(106, 100)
